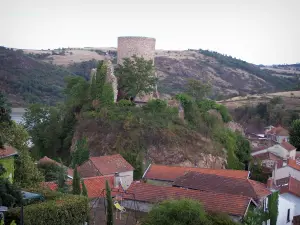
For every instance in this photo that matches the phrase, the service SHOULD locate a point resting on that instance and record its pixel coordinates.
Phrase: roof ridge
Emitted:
(194, 167)
(94, 177)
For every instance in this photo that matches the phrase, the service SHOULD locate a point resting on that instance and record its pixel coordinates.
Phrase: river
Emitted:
(17, 114)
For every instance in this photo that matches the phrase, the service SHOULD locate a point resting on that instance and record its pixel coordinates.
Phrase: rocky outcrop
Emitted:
(165, 146)
(110, 77)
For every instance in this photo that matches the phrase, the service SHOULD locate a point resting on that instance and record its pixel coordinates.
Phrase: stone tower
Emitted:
(141, 47)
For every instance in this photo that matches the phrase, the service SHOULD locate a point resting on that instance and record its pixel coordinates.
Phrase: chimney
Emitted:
(270, 183)
(116, 180)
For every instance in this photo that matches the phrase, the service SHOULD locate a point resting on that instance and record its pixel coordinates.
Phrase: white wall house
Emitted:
(114, 165)
(291, 169)
(286, 210)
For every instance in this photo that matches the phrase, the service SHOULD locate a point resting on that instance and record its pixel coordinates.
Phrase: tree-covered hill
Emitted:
(26, 80)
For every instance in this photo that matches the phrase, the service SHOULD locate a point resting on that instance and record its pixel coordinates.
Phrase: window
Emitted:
(288, 216)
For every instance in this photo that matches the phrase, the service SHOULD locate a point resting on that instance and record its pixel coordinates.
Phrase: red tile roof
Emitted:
(94, 185)
(287, 146)
(170, 173)
(7, 151)
(111, 164)
(45, 160)
(266, 156)
(293, 163)
(221, 184)
(279, 130)
(293, 187)
(214, 202)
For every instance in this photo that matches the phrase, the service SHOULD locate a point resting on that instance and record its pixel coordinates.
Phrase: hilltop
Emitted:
(43, 71)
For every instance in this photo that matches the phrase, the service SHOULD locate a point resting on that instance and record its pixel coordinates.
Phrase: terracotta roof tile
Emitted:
(214, 202)
(266, 155)
(45, 160)
(94, 185)
(294, 186)
(221, 184)
(111, 164)
(279, 130)
(293, 163)
(7, 151)
(287, 146)
(170, 173)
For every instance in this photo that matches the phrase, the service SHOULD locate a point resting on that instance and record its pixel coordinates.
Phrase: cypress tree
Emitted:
(76, 183)
(84, 190)
(109, 215)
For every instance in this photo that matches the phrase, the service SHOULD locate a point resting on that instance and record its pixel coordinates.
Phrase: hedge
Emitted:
(69, 209)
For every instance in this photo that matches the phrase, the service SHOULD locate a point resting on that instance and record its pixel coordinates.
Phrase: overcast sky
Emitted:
(258, 31)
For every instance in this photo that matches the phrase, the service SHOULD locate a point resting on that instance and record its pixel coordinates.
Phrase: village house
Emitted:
(267, 159)
(201, 183)
(284, 150)
(7, 160)
(291, 168)
(222, 184)
(289, 199)
(46, 160)
(108, 165)
(166, 175)
(278, 134)
(146, 195)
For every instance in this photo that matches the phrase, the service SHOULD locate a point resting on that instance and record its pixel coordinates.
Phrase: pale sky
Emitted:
(258, 31)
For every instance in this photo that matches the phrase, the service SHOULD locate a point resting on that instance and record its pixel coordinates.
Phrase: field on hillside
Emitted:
(291, 100)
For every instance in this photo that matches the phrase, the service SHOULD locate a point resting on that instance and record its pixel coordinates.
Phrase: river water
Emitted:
(17, 114)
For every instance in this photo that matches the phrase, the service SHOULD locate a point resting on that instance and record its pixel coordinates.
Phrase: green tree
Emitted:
(135, 76)
(81, 153)
(76, 91)
(243, 149)
(109, 215)
(107, 97)
(295, 134)
(26, 172)
(220, 219)
(76, 183)
(15, 135)
(49, 170)
(197, 89)
(5, 120)
(62, 178)
(84, 190)
(10, 194)
(44, 126)
(179, 212)
(273, 207)
(257, 173)
(255, 216)
(100, 79)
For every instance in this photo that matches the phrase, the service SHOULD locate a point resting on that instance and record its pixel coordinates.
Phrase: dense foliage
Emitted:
(5, 120)
(10, 194)
(60, 211)
(273, 207)
(81, 153)
(184, 212)
(26, 172)
(179, 212)
(264, 114)
(135, 76)
(295, 134)
(76, 190)
(28, 80)
(49, 170)
(83, 69)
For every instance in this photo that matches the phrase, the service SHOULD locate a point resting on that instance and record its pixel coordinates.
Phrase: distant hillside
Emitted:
(27, 80)
(228, 76)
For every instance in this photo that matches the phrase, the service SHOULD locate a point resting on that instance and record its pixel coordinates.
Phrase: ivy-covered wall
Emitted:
(8, 164)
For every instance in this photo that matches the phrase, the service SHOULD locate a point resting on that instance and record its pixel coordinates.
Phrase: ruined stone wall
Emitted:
(139, 46)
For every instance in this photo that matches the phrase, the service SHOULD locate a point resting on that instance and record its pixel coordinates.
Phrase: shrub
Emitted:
(66, 210)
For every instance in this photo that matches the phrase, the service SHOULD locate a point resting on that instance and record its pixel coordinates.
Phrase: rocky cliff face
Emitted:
(165, 148)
